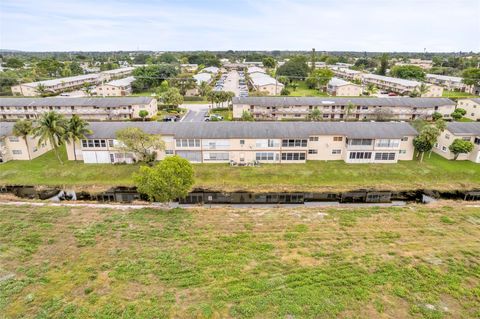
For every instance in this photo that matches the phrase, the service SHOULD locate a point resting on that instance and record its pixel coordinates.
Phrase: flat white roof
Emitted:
(261, 79)
(338, 82)
(116, 71)
(403, 82)
(59, 81)
(445, 77)
(122, 82)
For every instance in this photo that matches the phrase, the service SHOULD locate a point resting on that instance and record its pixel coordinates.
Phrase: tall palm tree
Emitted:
(76, 129)
(51, 127)
(23, 128)
(41, 89)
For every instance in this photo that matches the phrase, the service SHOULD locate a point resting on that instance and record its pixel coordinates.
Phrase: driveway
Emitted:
(195, 113)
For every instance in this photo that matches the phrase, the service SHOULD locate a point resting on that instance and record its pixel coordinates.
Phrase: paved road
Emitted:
(195, 113)
(231, 83)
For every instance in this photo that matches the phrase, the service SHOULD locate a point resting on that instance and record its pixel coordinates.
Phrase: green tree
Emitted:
(51, 127)
(204, 89)
(167, 58)
(294, 86)
(152, 76)
(184, 82)
(422, 145)
(143, 114)
(371, 88)
(285, 92)
(458, 114)
(348, 111)
(471, 76)
(269, 62)
(295, 69)
(320, 78)
(247, 116)
(14, 63)
(460, 146)
(41, 89)
(331, 60)
(315, 115)
(410, 72)
(23, 128)
(382, 69)
(170, 179)
(76, 130)
(436, 116)
(144, 145)
(172, 97)
(284, 80)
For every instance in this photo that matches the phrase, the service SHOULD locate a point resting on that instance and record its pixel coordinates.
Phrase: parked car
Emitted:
(172, 118)
(214, 117)
(392, 94)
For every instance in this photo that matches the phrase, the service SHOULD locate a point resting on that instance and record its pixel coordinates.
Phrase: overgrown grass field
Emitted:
(434, 173)
(410, 262)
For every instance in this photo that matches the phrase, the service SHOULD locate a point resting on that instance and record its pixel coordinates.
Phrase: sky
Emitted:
(183, 25)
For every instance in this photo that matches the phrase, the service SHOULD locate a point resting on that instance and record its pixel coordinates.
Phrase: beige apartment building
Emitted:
(121, 87)
(262, 82)
(452, 83)
(468, 131)
(347, 74)
(339, 87)
(472, 106)
(56, 86)
(114, 108)
(17, 148)
(401, 86)
(247, 142)
(339, 109)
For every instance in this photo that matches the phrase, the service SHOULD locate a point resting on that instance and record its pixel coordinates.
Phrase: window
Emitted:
(477, 141)
(325, 116)
(402, 152)
(384, 156)
(16, 152)
(110, 143)
(242, 142)
(187, 143)
(294, 143)
(293, 156)
(336, 152)
(13, 139)
(312, 151)
(447, 136)
(387, 143)
(466, 138)
(405, 138)
(94, 143)
(168, 152)
(337, 138)
(35, 149)
(360, 155)
(84, 143)
(265, 156)
(313, 138)
(216, 157)
(444, 149)
(360, 141)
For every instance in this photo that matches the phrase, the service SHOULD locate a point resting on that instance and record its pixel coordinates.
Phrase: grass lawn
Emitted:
(455, 94)
(226, 113)
(410, 262)
(303, 90)
(435, 173)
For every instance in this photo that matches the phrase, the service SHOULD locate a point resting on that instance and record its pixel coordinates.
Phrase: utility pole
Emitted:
(313, 60)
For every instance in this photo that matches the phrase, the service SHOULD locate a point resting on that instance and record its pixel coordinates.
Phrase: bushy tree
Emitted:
(319, 78)
(143, 114)
(247, 116)
(460, 146)
(14, 63)
(144, 145)
(471, 76)
(204, 58)
(285, 92)
(152, 76)
(410, 72)
(167, 57)
(170, 179)
(315, 115)
(269, 62)
(172, 97)
(295, 69)
(458, 114)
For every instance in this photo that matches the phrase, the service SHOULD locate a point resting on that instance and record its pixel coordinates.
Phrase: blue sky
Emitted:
(360, 25)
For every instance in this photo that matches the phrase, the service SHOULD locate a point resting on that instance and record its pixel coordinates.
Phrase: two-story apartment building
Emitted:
(468, 131)
(120, 87)
(339, 87)
(449, 82)
(401, 86)
(246, 142)
(18, 148)
(118, 108)
(339, 109)
(116, 73)
(472, 106)
(56, 85)
(347, 74)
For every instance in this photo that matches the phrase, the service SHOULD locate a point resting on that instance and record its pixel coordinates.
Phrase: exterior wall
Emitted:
(15, 148)
(271, 89)
(338, 113)
(113, 90)
(151, 108)
(345, 90)
(434, 91)
(472, 108)
(447, 138)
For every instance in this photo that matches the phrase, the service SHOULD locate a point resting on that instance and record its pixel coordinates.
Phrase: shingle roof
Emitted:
(77, 101)
(321, 101)
(226, 130)
(464, 128)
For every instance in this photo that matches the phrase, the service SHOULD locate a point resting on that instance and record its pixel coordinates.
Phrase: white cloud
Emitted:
(361, 25)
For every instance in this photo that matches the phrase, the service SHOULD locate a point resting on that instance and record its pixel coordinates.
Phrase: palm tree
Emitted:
(371, 88)
(41, 89)
(51, 127)
(76, 130)
(423, 89)
(23, 128)
(350, 107)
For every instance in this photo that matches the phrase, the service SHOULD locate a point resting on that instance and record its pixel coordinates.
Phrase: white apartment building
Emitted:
(472, 106)
(339, 87)
(246, 142)
(113, 108)
(401, 86)
(339, 109)
(18, 148)
(452, 83)
(347, 74)
(468, 131)
(56, 86)
(211, 69)
(203, 77)
(121, 87)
